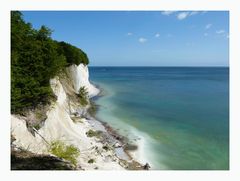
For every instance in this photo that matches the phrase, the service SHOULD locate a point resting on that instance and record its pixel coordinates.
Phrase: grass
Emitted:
(92, 133)
(67, 152)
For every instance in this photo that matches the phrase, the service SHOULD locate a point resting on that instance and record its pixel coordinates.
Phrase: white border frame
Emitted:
(234, 63)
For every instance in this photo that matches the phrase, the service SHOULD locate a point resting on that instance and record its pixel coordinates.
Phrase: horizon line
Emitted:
(156, 66)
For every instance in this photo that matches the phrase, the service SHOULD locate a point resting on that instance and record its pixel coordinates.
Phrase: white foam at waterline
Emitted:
(145, 152)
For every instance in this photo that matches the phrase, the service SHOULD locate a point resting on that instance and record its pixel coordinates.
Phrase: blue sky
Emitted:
(142, 38)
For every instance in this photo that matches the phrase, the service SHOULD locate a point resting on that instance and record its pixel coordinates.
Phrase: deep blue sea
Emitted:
(180, 115)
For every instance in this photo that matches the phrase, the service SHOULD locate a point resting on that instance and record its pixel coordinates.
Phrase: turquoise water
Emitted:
(180, 114)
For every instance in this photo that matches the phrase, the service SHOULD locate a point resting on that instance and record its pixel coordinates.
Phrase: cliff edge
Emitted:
(66, 122)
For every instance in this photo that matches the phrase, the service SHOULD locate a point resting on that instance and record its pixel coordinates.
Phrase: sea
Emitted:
(178, 116)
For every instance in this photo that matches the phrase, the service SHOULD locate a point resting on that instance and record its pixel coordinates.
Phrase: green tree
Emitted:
(44, 33)
(73, 54)
(35, 58)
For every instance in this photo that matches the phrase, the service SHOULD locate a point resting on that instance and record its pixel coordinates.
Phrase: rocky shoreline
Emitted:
(118, 141)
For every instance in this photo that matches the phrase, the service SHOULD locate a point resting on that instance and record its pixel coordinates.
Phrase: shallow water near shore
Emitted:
(178, 116)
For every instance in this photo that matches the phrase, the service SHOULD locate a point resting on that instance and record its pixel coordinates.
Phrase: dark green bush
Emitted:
(91, 161)
(92, 133)
(83, 96)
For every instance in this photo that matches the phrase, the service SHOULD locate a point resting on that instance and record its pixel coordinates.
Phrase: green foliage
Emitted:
(67, 152)
(44, 33)
(73, 54)
(92, 133)
(83, 96)
(91, 161)
(35, 58)
(40, 114)
(37, 126)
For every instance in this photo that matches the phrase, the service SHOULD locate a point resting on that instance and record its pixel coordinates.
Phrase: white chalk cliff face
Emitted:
(60, 126)
(80, 77)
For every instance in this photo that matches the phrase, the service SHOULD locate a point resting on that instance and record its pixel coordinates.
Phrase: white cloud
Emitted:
(157, 35)
(142, 40)
(182, 15)
(167, 13)
(220, 31)
(208, 26)
(129, 34)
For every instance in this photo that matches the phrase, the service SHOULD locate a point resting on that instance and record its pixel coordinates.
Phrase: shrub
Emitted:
(91, 161)
(67, 152)
(83, 96)
(37, 126)
(92, 133)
